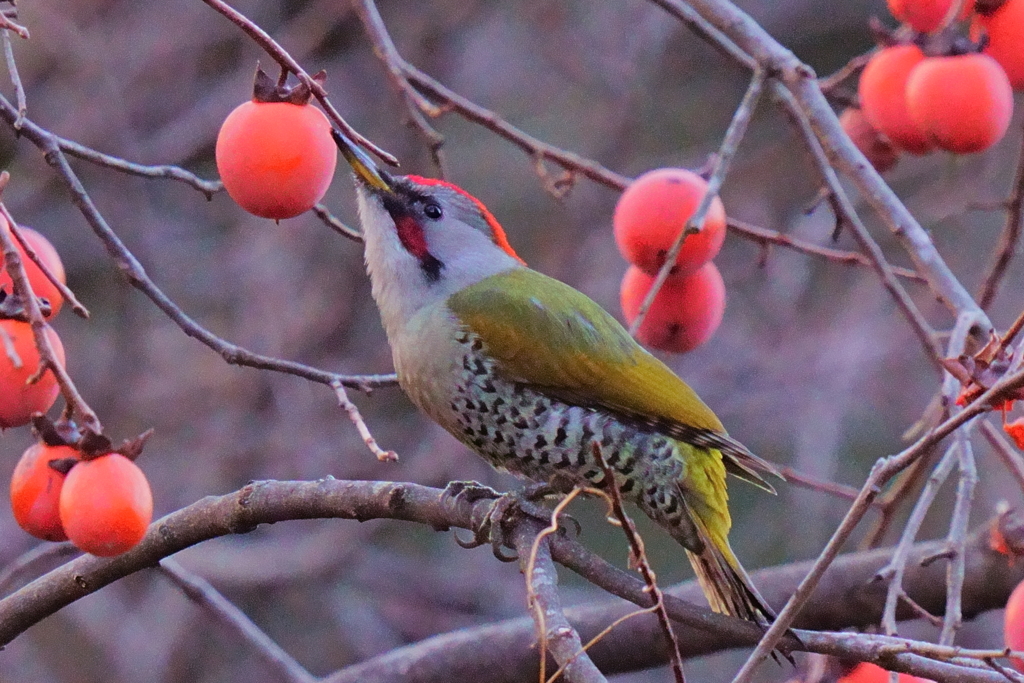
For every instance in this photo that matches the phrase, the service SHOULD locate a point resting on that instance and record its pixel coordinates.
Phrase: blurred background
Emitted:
(813, 366)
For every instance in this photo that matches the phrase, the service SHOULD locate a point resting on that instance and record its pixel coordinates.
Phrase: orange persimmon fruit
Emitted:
(106, 505)
(35, 490)
(651, 214)
(962, 103)
(276, 159)
(883, 98)
(684, 314)
(19, 360)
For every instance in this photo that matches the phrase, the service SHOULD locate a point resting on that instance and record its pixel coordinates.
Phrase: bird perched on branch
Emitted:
(533, 375)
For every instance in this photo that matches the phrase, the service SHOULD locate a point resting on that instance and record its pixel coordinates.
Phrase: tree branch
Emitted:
(800, 80)
(49, 145)
(845, 596)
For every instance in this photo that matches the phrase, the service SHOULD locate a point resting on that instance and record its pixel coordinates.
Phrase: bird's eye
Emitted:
(432, 211)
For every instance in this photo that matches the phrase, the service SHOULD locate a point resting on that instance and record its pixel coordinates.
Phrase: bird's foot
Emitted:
(470, 491)
(493, 526)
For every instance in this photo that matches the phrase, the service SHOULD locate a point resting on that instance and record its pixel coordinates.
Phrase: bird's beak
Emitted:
(365, 169)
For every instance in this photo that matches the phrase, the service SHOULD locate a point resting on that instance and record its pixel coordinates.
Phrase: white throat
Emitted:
(398, 283)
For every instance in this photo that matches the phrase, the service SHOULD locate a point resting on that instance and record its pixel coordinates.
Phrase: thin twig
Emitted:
(1005, 451)
(957, 539)
(555, 633)
(8, 24)
(730, 144)
(48, 361)
(418, 107)
(534, 147)
(64, 290)
(897, 566)
(848, 214)
(851, 68)
(201, 592)
(802, 480)
(286, 61)
(638, 557)
(765, 237)
(1008, 238)
(133, 270)
(353, 414)
(80, 151)
(336, 225)
(12, 71)
(920, 611)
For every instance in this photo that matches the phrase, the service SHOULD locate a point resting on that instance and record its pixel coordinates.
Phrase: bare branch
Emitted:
(766, 237)
(534, 147)
(1008, 238)
(957, 538)
(80, 151)
(730, 144)
(800, 80)
(199, 590)
(132, 269)
(1005, 451)
(12, 70)
(48, 361)
(418, 107)
(846, 213)
(556, 634)
(357, 419)
(638, 556)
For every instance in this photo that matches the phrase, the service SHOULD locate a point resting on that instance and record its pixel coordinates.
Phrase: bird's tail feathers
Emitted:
(723, 580)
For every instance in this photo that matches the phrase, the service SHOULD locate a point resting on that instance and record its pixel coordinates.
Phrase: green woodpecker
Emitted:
(531, 374)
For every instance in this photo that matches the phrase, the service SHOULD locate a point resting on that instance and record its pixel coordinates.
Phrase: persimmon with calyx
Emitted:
(872, 144)
(1013, 625)
(962, 103)
(275, 153)
(35, 490)
(41, 285)
(19, 361)
(883, 98)
(106, 505)
(684, 314)
(926, 15)
(651, 214)
(1004, 27)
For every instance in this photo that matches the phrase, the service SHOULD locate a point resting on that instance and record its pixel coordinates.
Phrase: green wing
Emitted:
(545, 334)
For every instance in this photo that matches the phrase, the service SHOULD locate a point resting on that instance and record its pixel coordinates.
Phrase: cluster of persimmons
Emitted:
(945, 82)
(95, 497)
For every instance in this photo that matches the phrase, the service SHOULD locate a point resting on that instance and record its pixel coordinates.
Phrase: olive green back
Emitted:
(545, 334)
